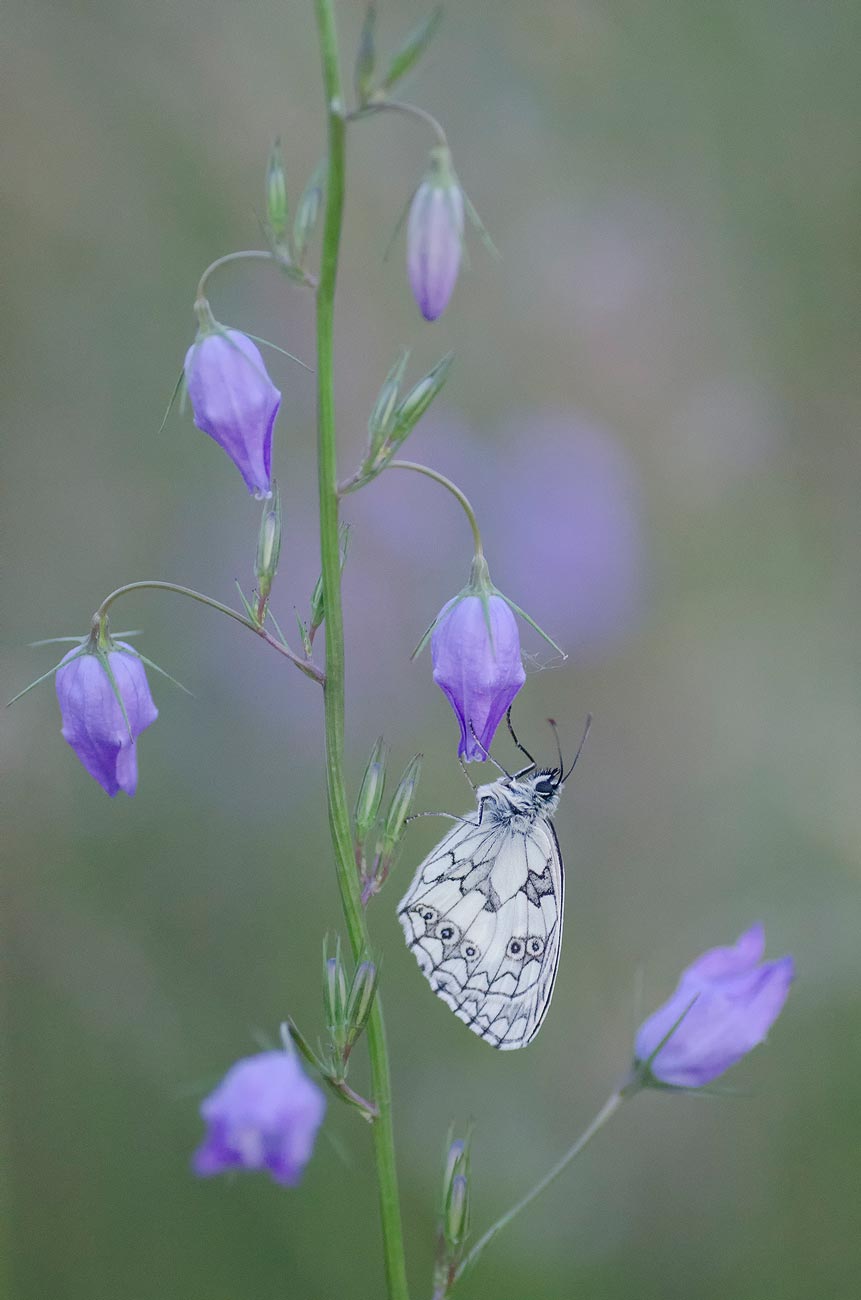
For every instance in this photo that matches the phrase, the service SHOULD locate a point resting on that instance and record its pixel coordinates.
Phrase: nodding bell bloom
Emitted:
(263, 1115)
(480, 676)
(233, 399)
(93, 721)
(724, 1005)
(435, 236)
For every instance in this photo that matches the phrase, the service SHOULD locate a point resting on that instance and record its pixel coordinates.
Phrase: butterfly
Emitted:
(483, 915)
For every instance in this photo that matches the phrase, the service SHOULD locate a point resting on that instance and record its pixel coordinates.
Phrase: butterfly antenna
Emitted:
(579, 747)
(552, 722)
(487, 752)
(513, 735)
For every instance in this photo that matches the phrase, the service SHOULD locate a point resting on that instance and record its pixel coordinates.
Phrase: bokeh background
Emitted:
(655, 408)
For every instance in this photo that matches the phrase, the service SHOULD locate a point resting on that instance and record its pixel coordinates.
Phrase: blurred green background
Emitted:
(655, 406)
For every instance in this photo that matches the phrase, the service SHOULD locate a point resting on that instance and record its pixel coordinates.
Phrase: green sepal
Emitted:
(303, 633)
(531, 621)
(480, 228)
(180, 384)
(412, 49)
(45, 676)
(154, 666)
(246, 606)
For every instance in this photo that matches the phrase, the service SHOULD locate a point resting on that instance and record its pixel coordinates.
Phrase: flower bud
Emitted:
(724, 1005)
(418, 399)
(268, 546)
(400, 808)
(277, 210)
(475, 648)
(263, 1115)
(308, 210)
(435, 235)
(371, 790)
(456, 1223)
(105, 703)
(335, 995)
(366, 57)
(380, 419)
(233, 399)
(361, 999)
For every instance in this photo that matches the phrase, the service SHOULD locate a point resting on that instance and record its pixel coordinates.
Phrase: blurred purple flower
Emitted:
(435, 236)
(264, 1114)
(573, 540)
(725, 1003)
(93, 722)
(235, 402)
(480, 679)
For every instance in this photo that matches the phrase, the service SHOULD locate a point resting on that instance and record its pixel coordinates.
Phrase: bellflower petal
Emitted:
(93, 722)
(725, 1002)
(263, 1115)
(480, 679)
(235, 402)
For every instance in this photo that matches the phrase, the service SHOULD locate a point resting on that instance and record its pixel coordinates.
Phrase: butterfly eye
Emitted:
(534, 946)
(545, 788)
(515, 948)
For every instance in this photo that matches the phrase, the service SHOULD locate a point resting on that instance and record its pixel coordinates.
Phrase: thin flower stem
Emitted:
(306, 666)
(611, 1105)
(333, 691)
(453, 489)
(401, 106)
(243, 255)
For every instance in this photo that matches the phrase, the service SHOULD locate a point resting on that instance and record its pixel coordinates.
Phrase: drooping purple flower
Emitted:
(725, 1002)
(263, 1115)
(234, 401)
(480, 677)
(93, 722)
(435, 236)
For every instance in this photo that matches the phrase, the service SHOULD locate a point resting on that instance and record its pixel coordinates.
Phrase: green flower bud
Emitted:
(456, 1222)
(380, 420)
(335, 995)
(308, 210)
(418, 399)
(366, 57)
(268, 545)
(400, 808)
(371, 790)
(361, 999)
(277, 210)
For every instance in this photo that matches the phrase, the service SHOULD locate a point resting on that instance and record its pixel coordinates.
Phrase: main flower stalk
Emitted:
(333, 692)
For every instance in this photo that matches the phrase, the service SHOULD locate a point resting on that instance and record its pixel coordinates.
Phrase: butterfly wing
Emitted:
(483, 917)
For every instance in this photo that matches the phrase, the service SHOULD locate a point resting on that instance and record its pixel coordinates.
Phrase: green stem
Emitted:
(400, 106)
(310, 669)
(611, 1105)
(242, 255)
(452, 488)
(333, 692)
